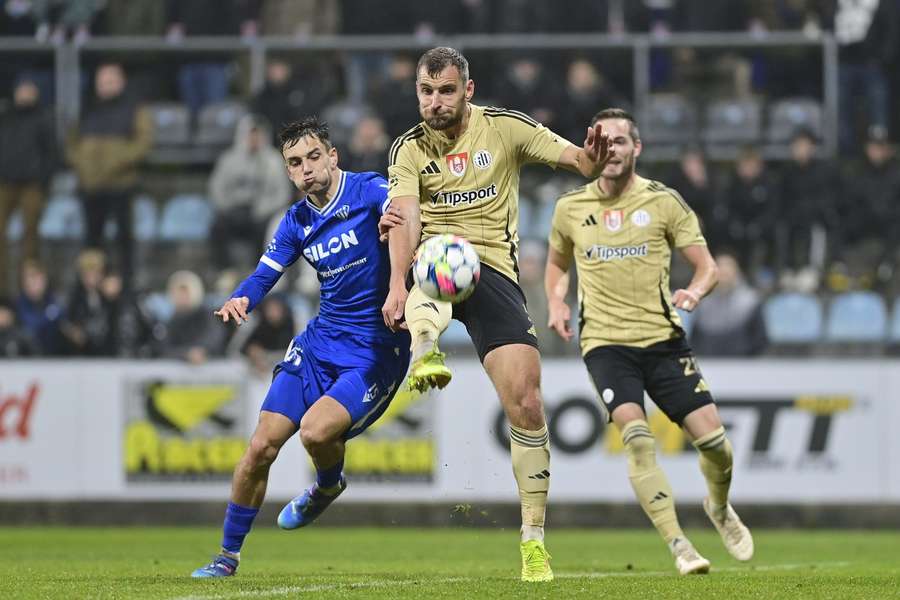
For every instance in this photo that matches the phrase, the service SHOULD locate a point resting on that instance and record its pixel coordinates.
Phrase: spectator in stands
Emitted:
(586, 92)
(287, 96)
(729, 322)
(248, 185)
(368, 147)
(190, 334)
(524, 87)
(202, 82)
(364, 69)
(394, 97)
(130, 328)
(693, 181)
(299, 18)
(869, 208)
(134, 17)
(808, 195)
(271, 336)
(86, 322)
(39, 311)
(106, 150)
(867, 34)
(57, 19)
(27, 161)
(16, 18)
(750, 210)
(13, 341)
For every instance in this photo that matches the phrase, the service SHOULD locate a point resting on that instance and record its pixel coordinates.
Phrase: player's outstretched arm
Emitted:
(591, 158)
(402, 243)
(556, 284)
(234, 309)
(706, 275)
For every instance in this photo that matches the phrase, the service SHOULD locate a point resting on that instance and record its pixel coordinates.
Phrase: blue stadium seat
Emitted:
(526, 217)
(15, 227)
(145, 214)
(216, 123)
(687, 320)
(733, 121)
(186, 217)
(790, 115)
(62, 219)
(857, 317)
(669, 119)
(542, 219)
(159, 306)
(456, 335)
(793, 318)
(894, 333)
(171, 123)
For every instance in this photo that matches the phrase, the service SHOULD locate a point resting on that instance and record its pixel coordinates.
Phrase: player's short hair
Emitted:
(291, 133)
(619, 113)
(437, 59)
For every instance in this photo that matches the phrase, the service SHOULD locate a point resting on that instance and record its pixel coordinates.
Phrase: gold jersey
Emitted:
(623, 249)
(469, 186)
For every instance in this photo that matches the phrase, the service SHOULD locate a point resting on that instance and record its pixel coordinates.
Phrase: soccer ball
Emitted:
(447, 268)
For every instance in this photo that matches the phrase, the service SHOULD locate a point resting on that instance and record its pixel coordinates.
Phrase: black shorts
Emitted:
(667, 370)
(495, 314)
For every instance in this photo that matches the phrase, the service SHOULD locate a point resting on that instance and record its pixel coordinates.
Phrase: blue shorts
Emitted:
(361, 373)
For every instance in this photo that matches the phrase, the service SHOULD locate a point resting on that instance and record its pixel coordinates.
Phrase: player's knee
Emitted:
(640, 445)
(261, 452)
(314, 435)
(528, 410)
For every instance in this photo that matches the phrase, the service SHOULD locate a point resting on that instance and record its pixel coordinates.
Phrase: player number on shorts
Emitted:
(690, 365)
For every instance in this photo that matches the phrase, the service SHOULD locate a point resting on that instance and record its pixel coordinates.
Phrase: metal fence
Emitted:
(68, 58)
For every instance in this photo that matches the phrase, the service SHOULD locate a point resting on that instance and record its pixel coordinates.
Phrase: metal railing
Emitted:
(68, 57)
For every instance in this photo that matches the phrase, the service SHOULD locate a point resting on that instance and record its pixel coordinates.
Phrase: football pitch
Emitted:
(438, 563)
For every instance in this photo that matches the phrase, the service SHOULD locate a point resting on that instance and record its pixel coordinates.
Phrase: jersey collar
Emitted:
(331, 203)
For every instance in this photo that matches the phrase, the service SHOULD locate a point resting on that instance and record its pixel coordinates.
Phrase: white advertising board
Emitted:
(802, 431)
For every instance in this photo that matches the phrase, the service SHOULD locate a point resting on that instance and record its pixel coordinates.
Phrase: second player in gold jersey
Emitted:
(620, 230)
(622, 248)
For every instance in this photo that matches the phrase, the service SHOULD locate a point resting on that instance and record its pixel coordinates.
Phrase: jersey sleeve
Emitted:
(560, 240)
(533, 142)
(403, 176)
(377, 193)
(281, 253)
(682, 225)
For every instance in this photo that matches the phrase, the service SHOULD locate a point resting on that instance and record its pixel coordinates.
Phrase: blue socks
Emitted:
(330, 477)
(238, 520)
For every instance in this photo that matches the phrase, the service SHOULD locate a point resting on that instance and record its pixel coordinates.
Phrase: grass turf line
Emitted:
(437, 563)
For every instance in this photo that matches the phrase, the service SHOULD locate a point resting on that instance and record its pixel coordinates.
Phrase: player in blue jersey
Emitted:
(341, 372)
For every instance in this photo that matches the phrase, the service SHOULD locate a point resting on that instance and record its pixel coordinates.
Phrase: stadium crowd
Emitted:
(803, 222)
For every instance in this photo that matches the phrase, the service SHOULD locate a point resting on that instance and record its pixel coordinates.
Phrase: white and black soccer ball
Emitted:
(447, 268)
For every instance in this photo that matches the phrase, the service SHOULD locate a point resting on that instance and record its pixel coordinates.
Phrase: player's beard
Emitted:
(626, 169)
(447, 119)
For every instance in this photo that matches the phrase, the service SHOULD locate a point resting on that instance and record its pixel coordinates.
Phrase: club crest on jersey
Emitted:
(343, 212)
(457, 163)
(613, 219)
(482, 159)
(641, 218)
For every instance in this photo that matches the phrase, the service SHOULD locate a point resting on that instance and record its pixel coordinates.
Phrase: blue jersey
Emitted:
(340, 241)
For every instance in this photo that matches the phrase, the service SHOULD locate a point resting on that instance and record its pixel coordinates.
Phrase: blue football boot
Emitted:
(306, 508)
(221, 566)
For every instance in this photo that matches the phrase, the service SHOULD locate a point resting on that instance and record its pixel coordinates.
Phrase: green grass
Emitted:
(438, 563)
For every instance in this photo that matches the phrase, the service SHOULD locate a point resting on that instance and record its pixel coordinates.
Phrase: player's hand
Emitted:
(685, 300)
(390, 219)
(560, 319)
(393, 308)
(234, 309)
(597, 147)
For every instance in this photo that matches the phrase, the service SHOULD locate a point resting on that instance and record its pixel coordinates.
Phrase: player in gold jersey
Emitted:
(458, 172)
(620, 230)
